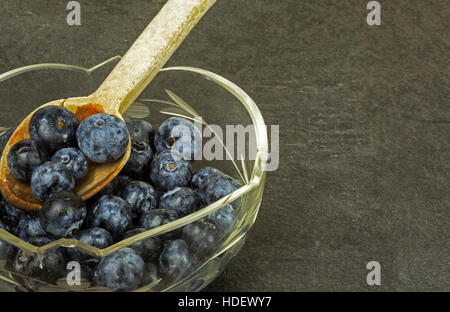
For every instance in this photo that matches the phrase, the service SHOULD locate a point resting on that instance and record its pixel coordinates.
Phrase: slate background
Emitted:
(364, 126)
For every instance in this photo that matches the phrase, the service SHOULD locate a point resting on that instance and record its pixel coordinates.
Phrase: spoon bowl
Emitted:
(18, 193)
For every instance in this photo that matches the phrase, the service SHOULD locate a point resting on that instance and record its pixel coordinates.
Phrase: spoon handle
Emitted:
(149, 53)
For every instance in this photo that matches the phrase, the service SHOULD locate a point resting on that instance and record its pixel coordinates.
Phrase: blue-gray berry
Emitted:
(202, 238)
(113, 214)
(203, 174)
(103, 138)
(54, 127)
(216, 187)
(141, 130)
(224, 219)
(50, 178)
(24, 157)
(140, 196)
(174, 260)
(9, 214)
(29, 227)
(140, 159)
(47, 267)
(62, 214)
(157, 217)
(180, 135)
(96, 237)
(74, 160)
(149, 248)
(168, 172)
(182, 200)
(120, 271)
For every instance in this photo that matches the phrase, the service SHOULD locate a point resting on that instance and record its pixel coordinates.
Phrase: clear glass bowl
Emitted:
(218, 102)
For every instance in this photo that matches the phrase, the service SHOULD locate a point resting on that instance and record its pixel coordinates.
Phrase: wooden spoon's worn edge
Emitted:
(85, 188)
(5, 173)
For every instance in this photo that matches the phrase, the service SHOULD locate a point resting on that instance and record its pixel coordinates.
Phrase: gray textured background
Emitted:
(364, 120)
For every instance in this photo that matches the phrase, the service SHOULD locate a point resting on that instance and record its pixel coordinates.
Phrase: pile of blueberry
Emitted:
(153, 189)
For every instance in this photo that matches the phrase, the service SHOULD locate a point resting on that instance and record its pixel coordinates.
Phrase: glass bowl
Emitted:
(221, 107)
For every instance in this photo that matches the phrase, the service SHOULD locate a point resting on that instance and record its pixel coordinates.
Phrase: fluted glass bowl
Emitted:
(218, 102)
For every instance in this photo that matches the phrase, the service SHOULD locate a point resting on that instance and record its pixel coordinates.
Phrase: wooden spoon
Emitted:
(132, 74)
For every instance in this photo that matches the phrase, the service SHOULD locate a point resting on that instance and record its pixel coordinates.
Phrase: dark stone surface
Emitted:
(364, 126)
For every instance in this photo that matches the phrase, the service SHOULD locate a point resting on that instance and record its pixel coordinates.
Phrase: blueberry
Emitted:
(5, 248)
(158, 217)
(40, 241)
(122, 270)
(29, 228)
(54, 127)
(141, 130)
(167, 173)
(24, 157)
(4, 138)
(151, 274)
(196, 285)
(174, 260)
(50, 178)
(149, 249)
(74, 160)
(96, 237)
(47, 267)
(140, 159)
(86, 273)
(103, 138)
(9, 214)
(62, 214)
(224, 219)
(140, 196)
(202, 237)
(178, 134)
(182, 200)
(203, 174)
(217, 187)
(111, 213)
(114, 187)
(120, 182)
(3, 226)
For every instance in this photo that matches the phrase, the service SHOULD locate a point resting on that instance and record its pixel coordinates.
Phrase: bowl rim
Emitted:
(257, 174)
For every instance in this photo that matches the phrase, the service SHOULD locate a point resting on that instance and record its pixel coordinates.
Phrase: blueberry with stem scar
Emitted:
(74, 160)
(103, 138)
(178, 133)
(54, 127)
(168, 172)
